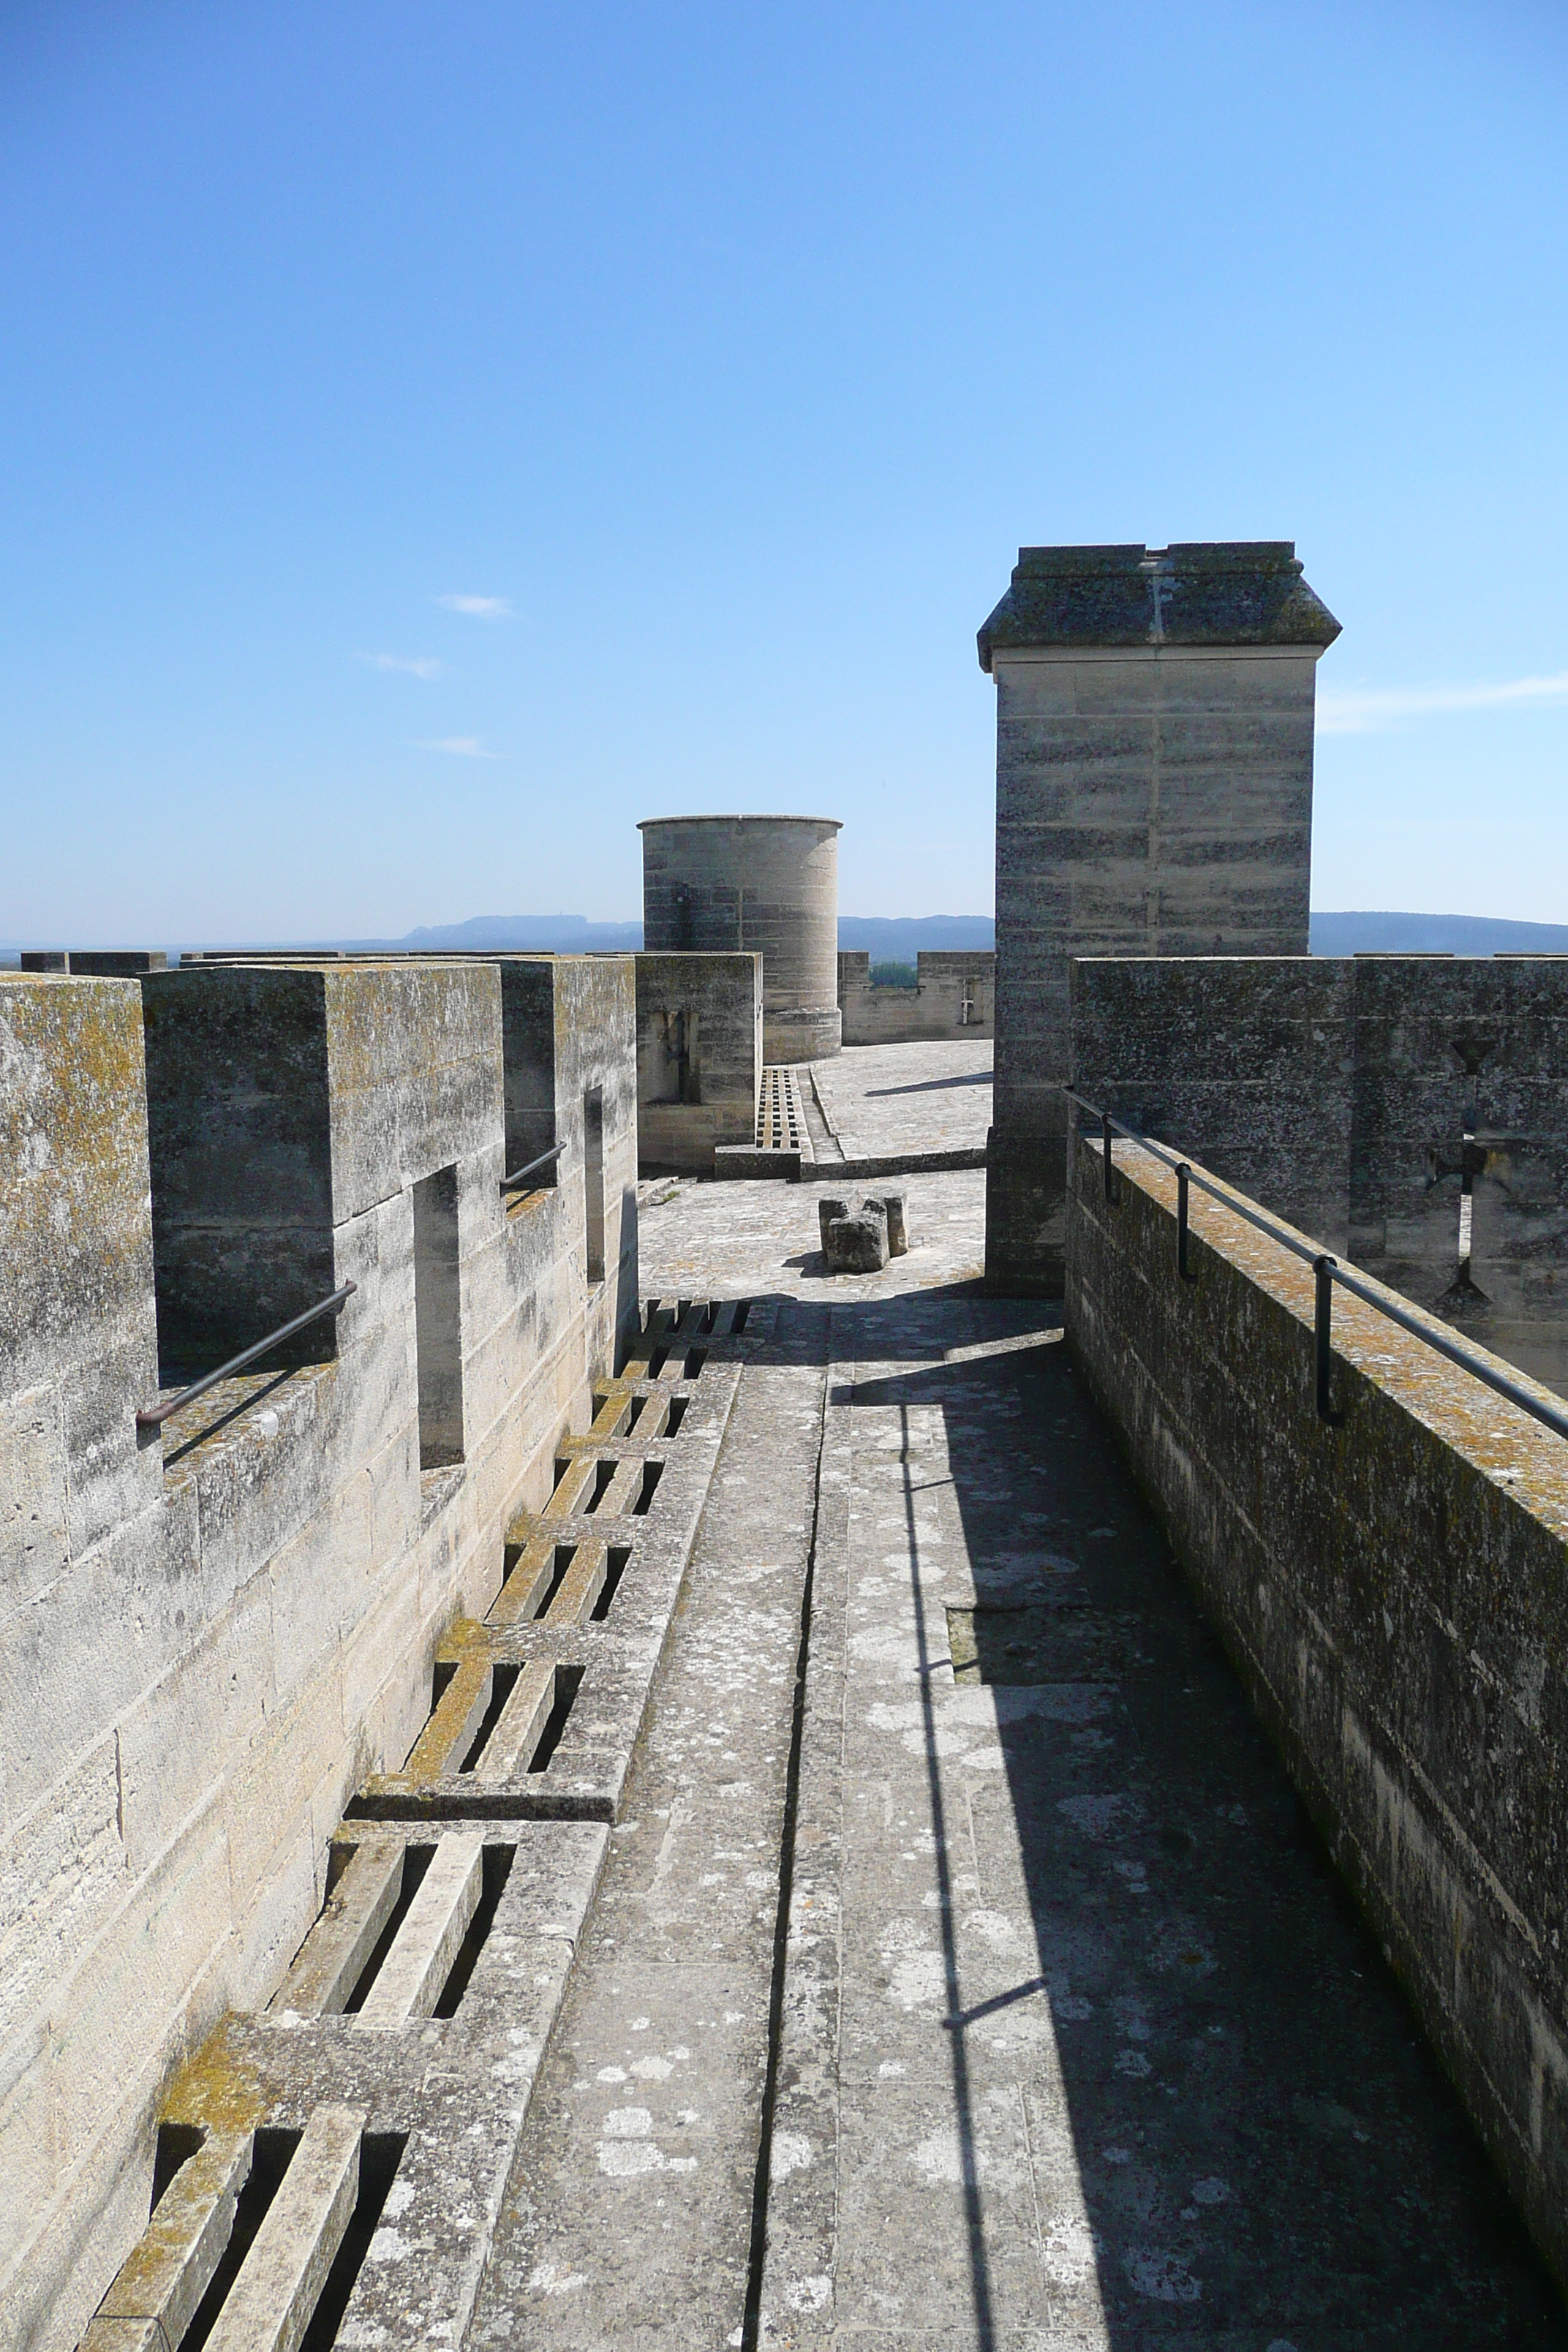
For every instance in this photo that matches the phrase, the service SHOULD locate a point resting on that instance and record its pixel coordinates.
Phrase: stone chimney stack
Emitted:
(1154, 712)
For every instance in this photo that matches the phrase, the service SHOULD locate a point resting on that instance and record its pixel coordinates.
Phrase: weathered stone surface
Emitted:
(1369, 1100)
(1247, 1063)
(1154, 718)
(700, 1056)
(882, 1104)
(213, 1638)
(955, 995)
(741, 884)
(1209, 592)
(857, 1244)
(1078, 2048)
(1392, 1590)
(892, 1207)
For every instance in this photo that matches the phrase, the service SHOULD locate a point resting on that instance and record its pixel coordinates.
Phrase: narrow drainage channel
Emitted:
(825, 1144)
(756, 2263)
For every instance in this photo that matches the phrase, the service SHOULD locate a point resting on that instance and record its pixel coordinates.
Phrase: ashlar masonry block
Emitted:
(700, 1056)
(1154, 715)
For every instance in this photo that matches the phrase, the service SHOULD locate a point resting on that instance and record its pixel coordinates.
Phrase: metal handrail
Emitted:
(1327, 1271)
(154, 1416)
(509, 1184)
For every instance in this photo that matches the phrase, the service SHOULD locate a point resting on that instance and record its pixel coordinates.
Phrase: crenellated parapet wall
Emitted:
(1392, 1586)
(1412, 1111)
(216, 1629)
(700, 1056)
(955, 995)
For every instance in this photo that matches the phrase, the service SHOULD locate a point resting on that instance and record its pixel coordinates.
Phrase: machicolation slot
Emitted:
(615, 1569)
(652, 1473)
(503, 1679)
(498, 1861)
(417, 1861)
(380, 2154)
(271, 2155)
(567, 1679)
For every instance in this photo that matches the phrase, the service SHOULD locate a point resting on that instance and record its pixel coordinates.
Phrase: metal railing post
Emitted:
(1543, 1409)
(1184, 1188)
(1323, 1268)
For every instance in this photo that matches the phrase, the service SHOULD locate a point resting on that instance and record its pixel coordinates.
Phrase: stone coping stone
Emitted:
(747, 1160)
(898, 1163)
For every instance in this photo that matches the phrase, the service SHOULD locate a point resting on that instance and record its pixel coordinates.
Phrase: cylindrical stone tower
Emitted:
(722, 883)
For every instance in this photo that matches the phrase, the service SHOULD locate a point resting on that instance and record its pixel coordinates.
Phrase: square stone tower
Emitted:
(1154, 713)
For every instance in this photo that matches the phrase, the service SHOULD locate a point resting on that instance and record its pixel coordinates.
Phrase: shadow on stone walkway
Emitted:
(1113, 2059)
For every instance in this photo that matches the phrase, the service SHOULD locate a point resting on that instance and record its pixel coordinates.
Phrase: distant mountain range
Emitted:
(898, 938)
(888, 938)
(1464, 935)
(538, 934)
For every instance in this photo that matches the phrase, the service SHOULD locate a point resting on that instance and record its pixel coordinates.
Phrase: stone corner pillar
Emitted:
(1154, 716)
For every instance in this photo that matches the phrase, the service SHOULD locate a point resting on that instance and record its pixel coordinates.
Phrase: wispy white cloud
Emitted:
(478, 608)
(415, 664)
(1365, 710)
(459, 747)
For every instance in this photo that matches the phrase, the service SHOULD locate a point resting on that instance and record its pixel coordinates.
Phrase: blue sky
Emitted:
(432, 438)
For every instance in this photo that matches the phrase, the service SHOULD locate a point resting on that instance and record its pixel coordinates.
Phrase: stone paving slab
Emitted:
(762, 1238)
(878, 1099)
(629, 2219)
(1082, 2043)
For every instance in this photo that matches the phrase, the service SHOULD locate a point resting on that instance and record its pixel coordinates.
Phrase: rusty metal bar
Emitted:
(520, 1175)
(153, 1416)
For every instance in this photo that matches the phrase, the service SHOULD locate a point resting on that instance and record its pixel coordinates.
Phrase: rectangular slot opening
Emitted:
(741, 1312)
(656, 1363)
(502, 1679)
(677, 1414)
(594, 1180)
(564, 1556)
(497, 1868)
(272, 2151)
(708, 1317)
(615, 1569)
(437, 1326)
(380, 2154)
(652, 1472)
(567, 1681)
(415, 1863)
(695, 1360)
(177, 2143)
(603, 1473)
(636, 1414)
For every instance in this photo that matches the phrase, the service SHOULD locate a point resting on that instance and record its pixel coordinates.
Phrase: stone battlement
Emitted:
(216, 1628)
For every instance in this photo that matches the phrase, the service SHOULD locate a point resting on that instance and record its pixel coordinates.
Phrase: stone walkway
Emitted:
(920, 1098)
(1080, 2043)
(1083, 2044)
